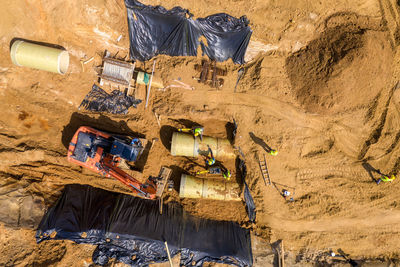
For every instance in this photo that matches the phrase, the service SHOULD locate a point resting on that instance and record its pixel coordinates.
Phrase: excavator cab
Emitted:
(129, 152)
(84, 147)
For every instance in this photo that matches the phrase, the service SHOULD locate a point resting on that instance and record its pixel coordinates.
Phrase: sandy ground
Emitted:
(319, 86)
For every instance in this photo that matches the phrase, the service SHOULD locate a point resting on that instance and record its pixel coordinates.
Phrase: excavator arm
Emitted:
(147, 190)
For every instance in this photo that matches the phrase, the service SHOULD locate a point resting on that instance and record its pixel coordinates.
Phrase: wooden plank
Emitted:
(149, 87)
(204, 71)
(214, 82)
(169, 255)
(165, 174)
(140, 92)
(114, 80)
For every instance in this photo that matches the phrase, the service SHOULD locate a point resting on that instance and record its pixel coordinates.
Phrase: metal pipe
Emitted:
(183, 144)
(217, 189)
(39, 57)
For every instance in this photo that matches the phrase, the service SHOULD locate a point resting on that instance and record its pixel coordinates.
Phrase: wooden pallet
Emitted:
(117, 73)
(264, 170)
(209, 72)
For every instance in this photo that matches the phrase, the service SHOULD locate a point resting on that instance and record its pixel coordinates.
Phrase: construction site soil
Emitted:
(320, 86)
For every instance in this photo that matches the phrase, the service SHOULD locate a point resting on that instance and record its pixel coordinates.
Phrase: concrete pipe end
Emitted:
(63, 62)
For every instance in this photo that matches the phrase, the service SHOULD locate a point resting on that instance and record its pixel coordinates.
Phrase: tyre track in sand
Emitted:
(374, 223)
(273, 106)
(345, 136)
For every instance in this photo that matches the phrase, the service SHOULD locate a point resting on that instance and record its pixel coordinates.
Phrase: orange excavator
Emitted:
(103, 152)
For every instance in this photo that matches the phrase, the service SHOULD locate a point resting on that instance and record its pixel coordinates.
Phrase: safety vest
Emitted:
(227, 175)
(273, 152)
(198, 131)
(385, 178)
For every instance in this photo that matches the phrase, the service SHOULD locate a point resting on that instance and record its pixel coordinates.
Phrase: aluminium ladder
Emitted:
(264, 170)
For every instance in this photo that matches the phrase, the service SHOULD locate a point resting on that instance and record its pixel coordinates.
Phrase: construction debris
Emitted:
(84, 62)
(179, 85)
(208, 73)
(240, 75)
(117, 102)
(158, 118)
(119, 38)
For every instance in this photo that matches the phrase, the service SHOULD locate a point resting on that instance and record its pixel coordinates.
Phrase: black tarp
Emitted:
(132, 230)
(155, 30)
(248, 199)
(116, 102)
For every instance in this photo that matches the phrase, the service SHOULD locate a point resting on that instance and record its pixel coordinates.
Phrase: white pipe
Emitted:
(151, 79)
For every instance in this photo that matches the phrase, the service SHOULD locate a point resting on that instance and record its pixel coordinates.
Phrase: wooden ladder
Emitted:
(165, 174)
(264, 170)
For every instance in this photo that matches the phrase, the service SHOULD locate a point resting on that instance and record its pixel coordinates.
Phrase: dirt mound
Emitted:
(341, 69)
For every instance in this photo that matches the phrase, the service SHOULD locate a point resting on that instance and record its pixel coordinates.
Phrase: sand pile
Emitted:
(328, 74)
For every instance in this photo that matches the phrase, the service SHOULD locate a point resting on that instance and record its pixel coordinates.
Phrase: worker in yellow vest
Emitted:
(386, 178)
(210, 159)
(217, 170)
(197, 131)
(273, 152)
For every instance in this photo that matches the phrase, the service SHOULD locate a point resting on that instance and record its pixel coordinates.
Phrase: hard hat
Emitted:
(211, 161)
(273, 152)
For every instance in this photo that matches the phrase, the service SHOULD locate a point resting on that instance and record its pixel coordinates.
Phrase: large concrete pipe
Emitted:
(183, 144)
(39, 57)
(217, 189)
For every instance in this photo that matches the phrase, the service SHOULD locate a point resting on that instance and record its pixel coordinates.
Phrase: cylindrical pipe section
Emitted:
(193, 187)
(184, 144)
(39, 57)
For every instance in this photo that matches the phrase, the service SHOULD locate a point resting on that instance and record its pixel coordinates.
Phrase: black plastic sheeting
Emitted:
(155, 30)
(117, 102)
(131, 230)
(248, 199)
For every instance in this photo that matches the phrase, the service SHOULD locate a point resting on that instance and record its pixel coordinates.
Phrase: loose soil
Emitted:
(320, 86)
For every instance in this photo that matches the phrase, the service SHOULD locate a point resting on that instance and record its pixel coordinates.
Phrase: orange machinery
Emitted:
(102, 152)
